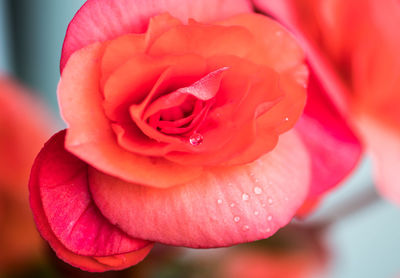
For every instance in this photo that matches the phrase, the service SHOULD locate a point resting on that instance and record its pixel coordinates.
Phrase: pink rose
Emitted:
(180, 118)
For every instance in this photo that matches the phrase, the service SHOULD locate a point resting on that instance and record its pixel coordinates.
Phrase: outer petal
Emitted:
(284, 11)
(90, 136)
(59, 191)
(225, 206)
(333, 147)
(384, 145)
(100, 20)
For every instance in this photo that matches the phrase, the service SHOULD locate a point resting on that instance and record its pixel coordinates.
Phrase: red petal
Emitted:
(223, 207)
(101, 20)
(333, 147)
(67, 217)
(90, 136)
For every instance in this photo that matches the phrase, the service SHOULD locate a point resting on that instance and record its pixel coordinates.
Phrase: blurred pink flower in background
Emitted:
(353, 48)
(23, 130)
(294, 252)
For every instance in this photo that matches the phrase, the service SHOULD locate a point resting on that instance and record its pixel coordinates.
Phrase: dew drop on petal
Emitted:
(232, 205)
(257, 190)
(256, 213)
(245, 228)
(245, 197)
(270, 201)
(219, 201)
(286, 119)
(268, 230)
(269, 218)
(196, 139)
(236, 219)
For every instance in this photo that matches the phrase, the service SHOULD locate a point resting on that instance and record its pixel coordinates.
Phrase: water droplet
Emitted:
(257, 190)
(269, 218)
(232, 205)
(287, 119)
(236, 219)
(256, 213)
(245, 228)
(268, 230)
(219, 201)
(270, 201)
(245, 197)
(196, 139)
(256, 180)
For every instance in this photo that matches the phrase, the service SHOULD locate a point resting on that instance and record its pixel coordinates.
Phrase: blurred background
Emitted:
(354, 233)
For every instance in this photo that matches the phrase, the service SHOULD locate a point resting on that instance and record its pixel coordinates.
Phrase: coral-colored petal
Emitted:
(225, 206)
(278, 49)
(119, 51)
(130, 84)
(383, 142)
(285, 13)
(247, 91)
(184, 71)
(333, 147)
(57, 196)
(204, 40)
(90, 136)
(101, 20)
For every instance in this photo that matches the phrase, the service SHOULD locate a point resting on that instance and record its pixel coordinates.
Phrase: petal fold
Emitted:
(333, 147)
(67, 217)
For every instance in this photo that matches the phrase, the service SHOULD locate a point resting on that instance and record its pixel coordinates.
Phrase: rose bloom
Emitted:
(355, 53)
(21, 117)
(180, 130)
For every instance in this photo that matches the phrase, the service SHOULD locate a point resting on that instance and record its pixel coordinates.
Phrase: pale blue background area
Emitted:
(364, 245)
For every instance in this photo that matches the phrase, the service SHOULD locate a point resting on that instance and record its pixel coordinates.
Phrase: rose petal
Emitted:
(229, 128)
(204, 40)
(70, 211)
(101, 20)
(58, 194)
(383, 143)
(277, 50)
(225, 206)
(90, 136)
(285, 13)
(334, 149)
